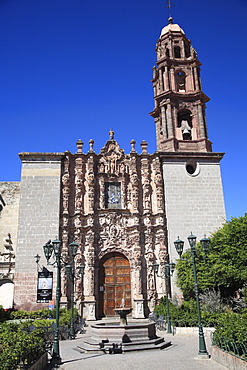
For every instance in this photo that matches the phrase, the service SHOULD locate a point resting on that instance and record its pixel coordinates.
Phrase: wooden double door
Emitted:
(114, 284)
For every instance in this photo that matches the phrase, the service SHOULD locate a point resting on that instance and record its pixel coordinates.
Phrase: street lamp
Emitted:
(51, 248)
(54, 249)
(179, 244)
(72, 275)
(168, 272)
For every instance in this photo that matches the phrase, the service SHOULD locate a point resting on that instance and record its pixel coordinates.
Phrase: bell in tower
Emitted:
(179, 111)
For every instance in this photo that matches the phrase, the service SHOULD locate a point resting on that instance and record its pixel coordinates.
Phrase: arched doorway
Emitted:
(114, 283)
(6, 293)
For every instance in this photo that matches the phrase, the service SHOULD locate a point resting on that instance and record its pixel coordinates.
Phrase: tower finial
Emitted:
(169, 4)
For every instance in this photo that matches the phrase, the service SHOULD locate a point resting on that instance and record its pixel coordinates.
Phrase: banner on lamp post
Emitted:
(44, 288)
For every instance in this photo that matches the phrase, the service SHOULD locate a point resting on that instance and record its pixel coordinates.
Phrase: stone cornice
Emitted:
(204, 156)
(41, 157)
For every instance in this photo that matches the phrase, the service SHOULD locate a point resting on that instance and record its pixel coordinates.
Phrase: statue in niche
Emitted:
(65, 221)
(134, 179)
(101, 167)
(159, 196)
(65, 179)
(122, 168)
(162, 256)
(160, 220)
(150, 277)
(158, 178)
(77, 222)
(135, 193)
(78, 204)
(91, 177)
(65, 198)
(91, 198)
(90, 221)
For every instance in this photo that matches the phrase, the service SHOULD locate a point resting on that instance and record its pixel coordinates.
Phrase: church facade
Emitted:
(124, 210)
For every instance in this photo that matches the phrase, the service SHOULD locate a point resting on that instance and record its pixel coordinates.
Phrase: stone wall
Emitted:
(38, 221)
(194, 203)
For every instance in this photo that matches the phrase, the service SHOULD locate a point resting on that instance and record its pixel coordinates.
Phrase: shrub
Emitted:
(211, 300)
(186, 314)
(231, 333)
(45, 313)
(19, 346)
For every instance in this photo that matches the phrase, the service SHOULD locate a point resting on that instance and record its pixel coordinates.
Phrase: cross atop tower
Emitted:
(169, 4)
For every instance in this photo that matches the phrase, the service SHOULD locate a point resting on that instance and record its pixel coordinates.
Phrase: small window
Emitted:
(177, 52)
(192, 167)
(113, 195)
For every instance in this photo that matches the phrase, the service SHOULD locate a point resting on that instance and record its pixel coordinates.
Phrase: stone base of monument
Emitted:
(116, 338)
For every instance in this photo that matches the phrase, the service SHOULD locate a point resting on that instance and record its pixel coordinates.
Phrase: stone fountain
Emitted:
(122, 337)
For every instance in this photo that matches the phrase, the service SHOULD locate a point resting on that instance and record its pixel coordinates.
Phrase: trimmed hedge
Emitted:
(18, 346)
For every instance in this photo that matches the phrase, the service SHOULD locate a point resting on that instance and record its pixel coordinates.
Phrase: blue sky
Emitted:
(74, 69)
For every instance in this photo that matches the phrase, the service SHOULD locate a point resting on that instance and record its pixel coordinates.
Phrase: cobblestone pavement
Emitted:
(181, 355)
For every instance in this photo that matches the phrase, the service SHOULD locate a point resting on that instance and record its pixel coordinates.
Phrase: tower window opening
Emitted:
(177, 52)
(187, 51)
(167, 53)
(185, 123)
(180, 79)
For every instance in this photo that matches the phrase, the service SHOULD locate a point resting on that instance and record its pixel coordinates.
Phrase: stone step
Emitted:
(147, 346)
(86, 348)
(108, 347)
(143, 341)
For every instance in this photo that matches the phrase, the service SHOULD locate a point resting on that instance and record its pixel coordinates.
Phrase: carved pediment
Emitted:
(112, 156)
(112, 150)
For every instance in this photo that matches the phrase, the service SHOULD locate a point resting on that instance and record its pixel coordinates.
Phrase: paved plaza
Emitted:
(181, 355)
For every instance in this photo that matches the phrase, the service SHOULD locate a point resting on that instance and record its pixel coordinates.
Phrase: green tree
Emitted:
(225, 267)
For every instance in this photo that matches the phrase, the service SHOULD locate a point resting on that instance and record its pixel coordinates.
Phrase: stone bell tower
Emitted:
(179, 111)
(191, 171)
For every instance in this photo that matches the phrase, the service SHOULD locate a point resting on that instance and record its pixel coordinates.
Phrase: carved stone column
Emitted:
(146, 185)
(164, 121)
(66, 183)
(90, 184)
(89, 302)
(79, 185)
(166, 79)
(136, 278)
(202, 133)
(169, 121)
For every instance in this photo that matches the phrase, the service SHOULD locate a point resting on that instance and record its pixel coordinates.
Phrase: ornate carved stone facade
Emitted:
(112, 202)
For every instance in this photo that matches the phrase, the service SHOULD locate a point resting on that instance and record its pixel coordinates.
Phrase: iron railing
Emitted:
(232, 347)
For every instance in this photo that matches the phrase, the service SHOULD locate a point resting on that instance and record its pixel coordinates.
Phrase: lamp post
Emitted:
(72, 275)
(179, 244)
(54, 248)
(168, 272)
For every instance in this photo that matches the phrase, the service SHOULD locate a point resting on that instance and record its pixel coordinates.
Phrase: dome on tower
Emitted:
(171, 27)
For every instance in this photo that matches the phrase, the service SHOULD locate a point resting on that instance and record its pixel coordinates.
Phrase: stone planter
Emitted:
(227, 360)
(40, 364)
